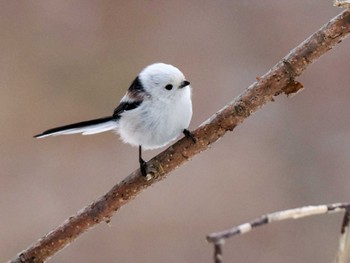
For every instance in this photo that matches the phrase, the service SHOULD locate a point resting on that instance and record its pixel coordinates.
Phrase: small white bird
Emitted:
(155, 110)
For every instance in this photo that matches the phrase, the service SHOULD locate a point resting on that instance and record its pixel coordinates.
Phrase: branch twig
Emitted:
(219, 238)
(343, 255)
(274, 82)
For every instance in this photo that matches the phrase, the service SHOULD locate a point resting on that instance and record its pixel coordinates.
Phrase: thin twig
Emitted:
(275, 217)
(343, 255)
(274, 82)
(219, 238)
(218, 253)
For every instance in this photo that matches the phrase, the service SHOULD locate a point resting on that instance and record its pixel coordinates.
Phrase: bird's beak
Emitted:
(184, 84)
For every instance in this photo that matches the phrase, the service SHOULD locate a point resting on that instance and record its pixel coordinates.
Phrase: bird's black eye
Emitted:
(169, 87)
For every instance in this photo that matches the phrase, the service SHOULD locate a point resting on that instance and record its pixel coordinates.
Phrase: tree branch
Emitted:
(218, 239)
(279, 79)
(343, 254)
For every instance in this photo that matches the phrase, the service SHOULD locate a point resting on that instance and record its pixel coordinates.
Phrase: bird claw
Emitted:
(189, 135)
(143, 168)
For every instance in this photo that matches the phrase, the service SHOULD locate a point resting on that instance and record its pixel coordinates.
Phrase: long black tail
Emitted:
(84, 127)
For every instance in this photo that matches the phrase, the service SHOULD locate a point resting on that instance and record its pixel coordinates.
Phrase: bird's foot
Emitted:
(189, 135)
(143, 167)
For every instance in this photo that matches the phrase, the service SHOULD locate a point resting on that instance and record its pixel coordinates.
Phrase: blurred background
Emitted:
(69, 61)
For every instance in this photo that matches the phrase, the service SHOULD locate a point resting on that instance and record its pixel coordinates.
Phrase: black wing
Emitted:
(125, 106)
(135, 93)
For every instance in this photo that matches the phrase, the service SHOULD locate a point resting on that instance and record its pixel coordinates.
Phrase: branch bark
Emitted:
(281, 78)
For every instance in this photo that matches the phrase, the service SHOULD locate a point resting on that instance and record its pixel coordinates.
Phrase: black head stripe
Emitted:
(136, 86)
(135, 93)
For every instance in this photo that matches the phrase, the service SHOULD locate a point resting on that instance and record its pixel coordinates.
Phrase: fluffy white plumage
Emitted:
(155, 110)
(163, 114)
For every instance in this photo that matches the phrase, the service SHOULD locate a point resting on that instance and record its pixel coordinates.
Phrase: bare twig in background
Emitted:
(343, 255)
(218, 253)
(218, 239)
(274, 82)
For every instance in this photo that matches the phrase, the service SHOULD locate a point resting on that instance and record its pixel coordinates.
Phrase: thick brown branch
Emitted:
(274, 82)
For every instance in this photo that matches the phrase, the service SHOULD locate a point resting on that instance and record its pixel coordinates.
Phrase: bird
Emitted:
(156, 110)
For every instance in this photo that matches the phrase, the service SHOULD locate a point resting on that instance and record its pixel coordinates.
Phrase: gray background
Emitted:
(68, 61)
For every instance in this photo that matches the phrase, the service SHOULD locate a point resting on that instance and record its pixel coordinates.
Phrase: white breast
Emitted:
(156, 123)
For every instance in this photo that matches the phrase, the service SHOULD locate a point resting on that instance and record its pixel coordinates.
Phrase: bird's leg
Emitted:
(189, 135)
(143, 164)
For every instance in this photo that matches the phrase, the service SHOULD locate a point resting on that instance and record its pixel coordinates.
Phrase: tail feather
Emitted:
(85, 127)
